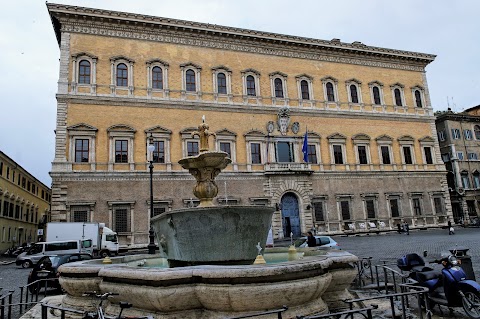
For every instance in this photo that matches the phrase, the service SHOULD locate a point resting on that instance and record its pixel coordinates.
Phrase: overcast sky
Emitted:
(29, 52)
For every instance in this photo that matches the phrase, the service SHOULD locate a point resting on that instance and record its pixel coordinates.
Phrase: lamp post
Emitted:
(151, 148)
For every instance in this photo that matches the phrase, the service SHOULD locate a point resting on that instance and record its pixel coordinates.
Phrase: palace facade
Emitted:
(24, 205)
(126, 80)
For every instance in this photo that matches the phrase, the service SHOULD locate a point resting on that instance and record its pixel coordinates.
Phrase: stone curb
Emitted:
(7, 262)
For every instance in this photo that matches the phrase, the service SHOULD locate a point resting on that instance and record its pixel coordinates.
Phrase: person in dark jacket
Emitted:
(450, 228)
(311, 241)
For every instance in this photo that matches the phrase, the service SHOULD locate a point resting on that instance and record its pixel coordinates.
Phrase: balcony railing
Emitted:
(273, 168)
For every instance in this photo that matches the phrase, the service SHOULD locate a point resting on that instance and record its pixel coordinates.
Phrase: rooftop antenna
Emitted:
(448, 103)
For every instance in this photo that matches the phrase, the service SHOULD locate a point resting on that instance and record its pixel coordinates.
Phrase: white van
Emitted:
(38, 250)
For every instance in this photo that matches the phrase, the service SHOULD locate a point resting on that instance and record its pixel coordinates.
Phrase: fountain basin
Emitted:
(210, 291)
(214, 235)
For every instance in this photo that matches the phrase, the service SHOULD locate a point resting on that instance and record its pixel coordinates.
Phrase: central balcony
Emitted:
(288, 168)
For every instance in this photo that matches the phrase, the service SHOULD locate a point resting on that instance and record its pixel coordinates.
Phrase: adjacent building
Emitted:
(128, 80)
(24, 205)
(459, 136)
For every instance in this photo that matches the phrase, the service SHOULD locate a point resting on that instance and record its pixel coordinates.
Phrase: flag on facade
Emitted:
(305, 147)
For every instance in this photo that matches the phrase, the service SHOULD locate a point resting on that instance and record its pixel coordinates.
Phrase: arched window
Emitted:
(376, 96)
(476, 129)
(157, 78)
(122, 75)
(398, 97)
(222, 83)
(305, 91)
(353, 93)
(251, 86)
(278, 88)
(418, 99)
(84, 72)
(465, 179)
(190, 80)
(330, 92)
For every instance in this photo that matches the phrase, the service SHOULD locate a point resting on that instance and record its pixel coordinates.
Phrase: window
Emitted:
(467, 134)
(121, 151)
(438, 204)
(476, 129)
(305, 90)
(441, 136)
(190, 80)
(472, 156)
(338, 154)
(318, 208)
(353, 93)
(312, 154)
(81, 151)
(345, 209)
(157, 210)
(385, 151)
(192, 148)
(465, 180)
(394, 208)
(80, 214)
(159, 152)
(476, 179)
(460, 155)
(428, 155)
(455, 133)
(251, 86)
(370, 208)
(122, 75)
(362, 154)
(157, 78)
(330, 92)
(398, 97)
(445, 157)
(417, 209)
(278, 87)
(225, 147)
(284, 152)
(376, 95)
(255, 152)
(407, 155)
(221, 83)
(121, 220)
(84, 72)
(418, 98)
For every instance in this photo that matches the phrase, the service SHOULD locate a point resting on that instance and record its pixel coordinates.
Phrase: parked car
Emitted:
(322, 241)
(47, 268)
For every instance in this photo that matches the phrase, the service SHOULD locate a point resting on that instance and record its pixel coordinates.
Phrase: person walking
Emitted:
(407, 228)
(311, 241)
(450, 228)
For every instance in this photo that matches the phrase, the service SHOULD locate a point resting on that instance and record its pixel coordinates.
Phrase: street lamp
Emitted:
(151, 149)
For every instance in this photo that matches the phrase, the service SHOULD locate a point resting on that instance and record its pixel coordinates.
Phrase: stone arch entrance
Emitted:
(290, 215)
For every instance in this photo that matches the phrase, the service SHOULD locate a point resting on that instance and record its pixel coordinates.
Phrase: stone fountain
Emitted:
(206, 266)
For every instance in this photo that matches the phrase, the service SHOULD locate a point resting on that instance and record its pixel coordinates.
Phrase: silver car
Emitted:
(322, 241)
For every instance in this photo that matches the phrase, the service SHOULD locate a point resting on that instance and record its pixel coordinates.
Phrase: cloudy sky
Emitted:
(29, 52)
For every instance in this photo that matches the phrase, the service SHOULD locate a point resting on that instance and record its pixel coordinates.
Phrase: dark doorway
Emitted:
(290, 215)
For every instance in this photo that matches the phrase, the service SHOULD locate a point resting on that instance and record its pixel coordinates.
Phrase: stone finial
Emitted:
(203, 133)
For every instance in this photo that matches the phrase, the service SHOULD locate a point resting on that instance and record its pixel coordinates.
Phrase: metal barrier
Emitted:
(269, 312)
(62, 310)
(364, 272)
(365, 312)
(8, 306)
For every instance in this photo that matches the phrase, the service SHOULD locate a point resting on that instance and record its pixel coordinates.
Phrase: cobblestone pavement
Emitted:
(391, 246)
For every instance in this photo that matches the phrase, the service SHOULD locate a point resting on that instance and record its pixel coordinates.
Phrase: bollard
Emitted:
(465, 260)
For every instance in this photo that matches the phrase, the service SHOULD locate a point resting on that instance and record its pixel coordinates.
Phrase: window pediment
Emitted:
(121, 128)
(158, 129)
(152, 61)
(121, 57)
(417, 87)
(313, 135)
(384, 138)
(337, 136)
(354, 80)
(405, 138)
(188, 130)
(375, 83)
(225, 132)
(329, 79)
(250, 71)
(254, 133)
(394, 85)
(361, 137)
(81, 54)
(278, 73)
(301, 76)
(82, 127)
(190, 64)
(426, 139)
(221, 67)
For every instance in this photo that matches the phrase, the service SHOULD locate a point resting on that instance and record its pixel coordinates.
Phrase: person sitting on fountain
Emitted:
(311, 241)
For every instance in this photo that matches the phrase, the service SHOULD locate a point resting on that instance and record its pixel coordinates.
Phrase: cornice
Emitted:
(240, 108)
(136, 26)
